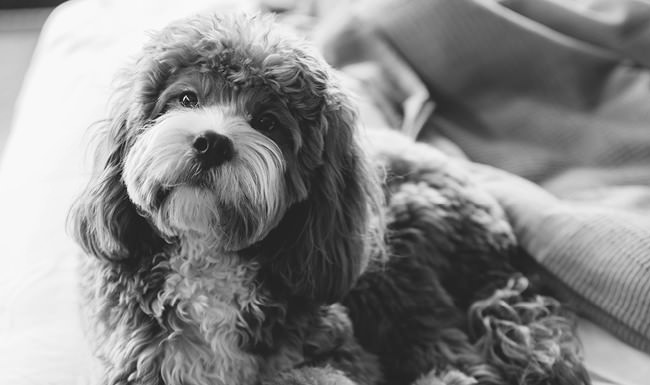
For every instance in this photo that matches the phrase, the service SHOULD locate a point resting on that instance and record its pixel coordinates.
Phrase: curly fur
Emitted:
(290, 262)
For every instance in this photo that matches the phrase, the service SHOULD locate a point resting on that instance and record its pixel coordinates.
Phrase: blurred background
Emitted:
(20, 24)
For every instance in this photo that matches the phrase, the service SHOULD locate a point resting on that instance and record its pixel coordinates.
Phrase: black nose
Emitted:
(212, 149)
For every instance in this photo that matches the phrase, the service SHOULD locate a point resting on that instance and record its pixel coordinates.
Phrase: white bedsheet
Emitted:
(44, 166)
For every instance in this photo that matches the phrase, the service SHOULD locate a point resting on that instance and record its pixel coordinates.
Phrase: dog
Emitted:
(241, 230)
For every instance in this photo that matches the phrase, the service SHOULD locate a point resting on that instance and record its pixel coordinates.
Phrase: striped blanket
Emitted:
(554, 92)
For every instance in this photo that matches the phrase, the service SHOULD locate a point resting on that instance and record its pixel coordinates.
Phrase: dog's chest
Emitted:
(202, 302)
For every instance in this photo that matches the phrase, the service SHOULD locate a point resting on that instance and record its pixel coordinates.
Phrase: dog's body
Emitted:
(241, 235)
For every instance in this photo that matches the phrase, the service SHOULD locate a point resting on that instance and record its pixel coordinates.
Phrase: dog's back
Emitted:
(437, 297)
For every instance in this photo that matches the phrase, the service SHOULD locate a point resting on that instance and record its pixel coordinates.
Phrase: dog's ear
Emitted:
(103, 219)
(327, 238)
(342, 203)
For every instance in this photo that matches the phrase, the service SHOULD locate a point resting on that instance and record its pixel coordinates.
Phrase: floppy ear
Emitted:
(326, 239)
(103, 219)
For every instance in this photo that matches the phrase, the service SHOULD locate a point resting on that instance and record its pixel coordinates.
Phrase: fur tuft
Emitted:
(530, 340)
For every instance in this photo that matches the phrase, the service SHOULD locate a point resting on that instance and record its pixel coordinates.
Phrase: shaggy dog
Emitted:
(241, 234)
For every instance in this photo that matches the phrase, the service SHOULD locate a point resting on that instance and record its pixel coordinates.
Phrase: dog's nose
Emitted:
(212, 149)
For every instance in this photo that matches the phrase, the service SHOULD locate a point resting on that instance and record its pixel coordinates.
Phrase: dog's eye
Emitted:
(265, 123)
(188, 99)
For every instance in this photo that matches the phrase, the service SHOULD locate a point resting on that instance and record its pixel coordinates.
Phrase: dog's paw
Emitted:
(447, 377)
(310, 376)
(332, 344)
(332, 330)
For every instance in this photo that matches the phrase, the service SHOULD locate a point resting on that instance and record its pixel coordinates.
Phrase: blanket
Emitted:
(556, 93)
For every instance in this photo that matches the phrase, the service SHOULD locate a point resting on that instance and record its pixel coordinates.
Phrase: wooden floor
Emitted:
(19, 30)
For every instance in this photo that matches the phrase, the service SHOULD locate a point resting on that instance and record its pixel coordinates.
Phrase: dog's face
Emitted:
(233, 132)
(216, 160)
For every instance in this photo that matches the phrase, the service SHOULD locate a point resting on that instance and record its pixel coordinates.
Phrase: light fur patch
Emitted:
(200, 309)
(208, 292)
(114, 328)
(251, 184)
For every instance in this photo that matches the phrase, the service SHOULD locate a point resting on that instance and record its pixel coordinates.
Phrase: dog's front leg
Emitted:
(311, 376)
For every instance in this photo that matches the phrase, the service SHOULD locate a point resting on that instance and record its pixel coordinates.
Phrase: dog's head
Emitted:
(230, 131)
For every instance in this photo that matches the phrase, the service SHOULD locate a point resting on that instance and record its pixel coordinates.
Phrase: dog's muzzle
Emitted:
(212, 149)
